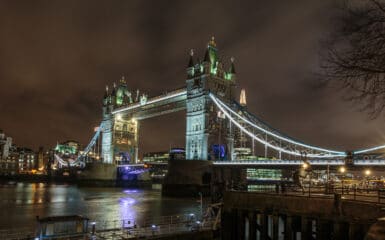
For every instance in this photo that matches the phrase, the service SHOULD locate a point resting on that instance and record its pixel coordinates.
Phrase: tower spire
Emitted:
(212, 42)
(242, 98)
(106, 92)
(123, 80)
(191, 61)
(232, 68)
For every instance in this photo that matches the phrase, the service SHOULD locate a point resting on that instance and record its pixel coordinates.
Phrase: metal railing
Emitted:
(166, 225)
(128, 228)
(17, 233)
(374, 195)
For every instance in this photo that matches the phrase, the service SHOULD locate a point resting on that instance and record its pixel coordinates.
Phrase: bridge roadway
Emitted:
(279, 163)
(169, 102)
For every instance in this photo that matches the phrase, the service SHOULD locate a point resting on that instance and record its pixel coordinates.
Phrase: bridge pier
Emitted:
(341, 230)
(252, 224)
(288, 228)
(306, 228)
(186, 178)
(99, 174)
(356, 230)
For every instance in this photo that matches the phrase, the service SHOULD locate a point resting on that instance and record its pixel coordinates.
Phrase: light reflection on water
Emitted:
(20, 203)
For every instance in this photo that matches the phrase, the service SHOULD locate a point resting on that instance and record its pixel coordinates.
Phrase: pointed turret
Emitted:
(106, 92)
(212, 51)
(231, 75)
(122, 80)
(113, 93)
(106, 102)
(212, 42)
(232, 68)
(242, 98)
(190, 67)
(191, 60)
(207, 56)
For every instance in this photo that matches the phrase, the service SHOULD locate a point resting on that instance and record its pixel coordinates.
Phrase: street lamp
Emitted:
(367, 173)
(305, 165)
(342, 170)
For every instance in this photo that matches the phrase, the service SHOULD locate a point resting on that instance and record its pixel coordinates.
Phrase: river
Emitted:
(21, 202)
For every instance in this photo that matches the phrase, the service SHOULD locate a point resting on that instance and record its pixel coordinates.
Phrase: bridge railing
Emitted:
(362, 194)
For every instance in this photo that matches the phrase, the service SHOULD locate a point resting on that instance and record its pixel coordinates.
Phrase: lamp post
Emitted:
(342, 171)
(305, 167)
(367, 174)
(201, 204)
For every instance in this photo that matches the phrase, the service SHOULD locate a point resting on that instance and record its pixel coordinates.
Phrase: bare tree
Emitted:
(355, 57)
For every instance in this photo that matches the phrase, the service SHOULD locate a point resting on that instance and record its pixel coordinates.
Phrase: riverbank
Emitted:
(81, 182)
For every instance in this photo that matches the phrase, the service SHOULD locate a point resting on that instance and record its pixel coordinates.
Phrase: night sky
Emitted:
(57, 56)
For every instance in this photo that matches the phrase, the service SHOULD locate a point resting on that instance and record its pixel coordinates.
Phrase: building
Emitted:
(69, 147)
(5, 145)
(156, 157)
(8, 159)
(173, 154)
(26, 160)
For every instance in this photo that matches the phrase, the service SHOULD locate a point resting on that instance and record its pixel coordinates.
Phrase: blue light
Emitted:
(127, 201)
(177, 150)
(130, 191)
(219, 150)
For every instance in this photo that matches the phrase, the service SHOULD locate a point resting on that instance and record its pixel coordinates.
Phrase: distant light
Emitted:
(93, 223)
(367, 172)
(342, 169)
(153, 226)
(305, 165)
(191, 214)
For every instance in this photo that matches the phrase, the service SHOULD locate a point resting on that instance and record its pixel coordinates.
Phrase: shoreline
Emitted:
(75, 181)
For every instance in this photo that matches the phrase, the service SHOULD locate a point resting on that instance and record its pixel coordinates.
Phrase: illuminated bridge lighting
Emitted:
(280, 149)
(339, 153)
(176, 93)
(335, 153)
(369, 149)
(369, 162)
(336, 162)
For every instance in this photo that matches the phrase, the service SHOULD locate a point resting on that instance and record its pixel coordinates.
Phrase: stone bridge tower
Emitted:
(119, 131)
(209, 135)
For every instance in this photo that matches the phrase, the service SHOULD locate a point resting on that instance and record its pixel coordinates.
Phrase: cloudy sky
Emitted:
(57, 56)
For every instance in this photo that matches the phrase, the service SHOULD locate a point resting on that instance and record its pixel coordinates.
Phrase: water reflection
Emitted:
(22, 202)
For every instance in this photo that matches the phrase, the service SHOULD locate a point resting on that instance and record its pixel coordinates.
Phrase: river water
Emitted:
(20, 203)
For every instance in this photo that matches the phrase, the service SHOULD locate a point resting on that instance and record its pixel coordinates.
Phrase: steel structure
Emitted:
(215, 123)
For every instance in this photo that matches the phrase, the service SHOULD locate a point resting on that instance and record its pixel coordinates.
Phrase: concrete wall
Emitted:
(99, 171)
(248, 215)
(186, 178)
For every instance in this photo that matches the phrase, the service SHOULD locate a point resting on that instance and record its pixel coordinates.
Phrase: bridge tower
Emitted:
(209, 136)
(119, 131)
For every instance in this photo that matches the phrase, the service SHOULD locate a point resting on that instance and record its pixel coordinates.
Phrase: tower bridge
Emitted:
(218, 127)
